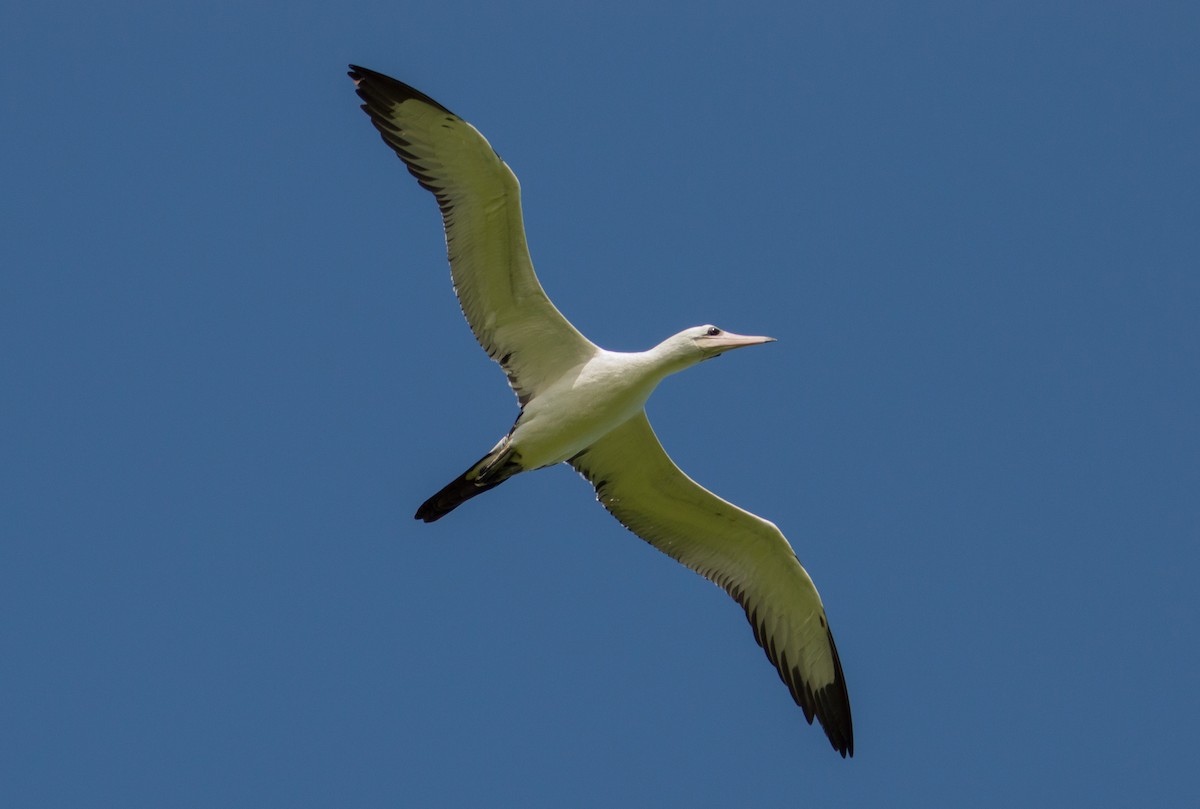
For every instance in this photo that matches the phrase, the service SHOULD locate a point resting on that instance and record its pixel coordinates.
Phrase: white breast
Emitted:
(584, 404)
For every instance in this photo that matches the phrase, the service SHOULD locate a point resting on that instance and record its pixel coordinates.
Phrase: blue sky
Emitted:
(233, 367)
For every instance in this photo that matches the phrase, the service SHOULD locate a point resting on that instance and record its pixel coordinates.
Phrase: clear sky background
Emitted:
(232, 368)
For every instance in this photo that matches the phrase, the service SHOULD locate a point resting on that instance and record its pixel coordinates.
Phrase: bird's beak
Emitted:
(726, 341)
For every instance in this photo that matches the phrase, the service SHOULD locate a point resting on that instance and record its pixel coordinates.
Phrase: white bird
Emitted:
(583, 405)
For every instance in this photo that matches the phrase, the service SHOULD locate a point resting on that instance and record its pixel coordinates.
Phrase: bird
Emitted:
(585, 406)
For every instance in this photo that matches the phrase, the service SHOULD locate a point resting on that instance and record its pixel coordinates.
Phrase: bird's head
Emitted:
(701, 343)
(712, 341)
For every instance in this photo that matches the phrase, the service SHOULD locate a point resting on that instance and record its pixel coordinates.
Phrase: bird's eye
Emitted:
(713, 331)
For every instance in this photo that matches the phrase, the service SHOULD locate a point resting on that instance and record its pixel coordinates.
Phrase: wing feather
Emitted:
(744, 554)
(480, 199)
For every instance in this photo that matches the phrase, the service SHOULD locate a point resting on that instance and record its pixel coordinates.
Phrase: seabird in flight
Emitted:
(584, 406)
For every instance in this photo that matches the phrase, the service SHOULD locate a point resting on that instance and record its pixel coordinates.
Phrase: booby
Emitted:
(584, 406)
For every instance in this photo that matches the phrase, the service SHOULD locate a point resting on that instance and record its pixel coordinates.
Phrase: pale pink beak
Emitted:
(726, 341)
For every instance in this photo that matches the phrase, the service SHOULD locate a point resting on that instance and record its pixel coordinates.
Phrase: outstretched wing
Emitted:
(744, 554)
(480, 200)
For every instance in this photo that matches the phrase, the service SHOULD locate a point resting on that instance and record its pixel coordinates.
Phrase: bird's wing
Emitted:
(480, 200)
(746, 555)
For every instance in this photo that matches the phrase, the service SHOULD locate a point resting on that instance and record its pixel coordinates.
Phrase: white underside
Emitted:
(583, 405)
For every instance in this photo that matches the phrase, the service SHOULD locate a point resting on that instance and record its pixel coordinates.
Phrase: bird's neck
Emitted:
(670, 357)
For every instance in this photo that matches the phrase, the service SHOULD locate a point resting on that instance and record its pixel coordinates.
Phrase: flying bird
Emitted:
(583, 405)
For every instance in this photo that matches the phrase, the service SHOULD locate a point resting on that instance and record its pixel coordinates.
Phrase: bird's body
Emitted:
(584, 405)
(590, 400)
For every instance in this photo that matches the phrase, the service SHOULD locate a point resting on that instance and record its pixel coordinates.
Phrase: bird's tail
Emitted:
(487, 473)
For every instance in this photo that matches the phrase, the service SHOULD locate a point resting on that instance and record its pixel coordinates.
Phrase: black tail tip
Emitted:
(447, 500)
(452, 496)
(428, 513)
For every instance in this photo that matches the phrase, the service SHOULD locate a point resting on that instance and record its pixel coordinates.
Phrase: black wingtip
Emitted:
(371, 82)
(829, 704)
(833, 702)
